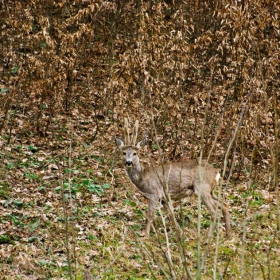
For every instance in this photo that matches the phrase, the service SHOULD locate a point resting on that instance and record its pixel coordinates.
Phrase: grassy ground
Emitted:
(201, 77)
(96, 225)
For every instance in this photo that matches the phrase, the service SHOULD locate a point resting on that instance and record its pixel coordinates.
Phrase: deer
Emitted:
(176, 180)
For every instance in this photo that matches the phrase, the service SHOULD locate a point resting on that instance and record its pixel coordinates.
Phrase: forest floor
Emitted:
(202, 78)
(70, 204)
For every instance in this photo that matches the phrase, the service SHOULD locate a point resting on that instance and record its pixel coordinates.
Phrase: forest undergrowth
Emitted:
(202, 78)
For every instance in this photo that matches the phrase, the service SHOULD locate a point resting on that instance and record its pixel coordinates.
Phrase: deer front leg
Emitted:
(150, 216)
(171, 215)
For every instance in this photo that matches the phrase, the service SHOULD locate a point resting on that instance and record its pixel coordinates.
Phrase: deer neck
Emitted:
(135, 174)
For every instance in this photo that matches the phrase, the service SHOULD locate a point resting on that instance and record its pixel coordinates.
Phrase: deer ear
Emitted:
(119, 142)
(141, 143)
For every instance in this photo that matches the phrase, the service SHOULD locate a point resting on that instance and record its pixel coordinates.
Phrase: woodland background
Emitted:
(202, 77)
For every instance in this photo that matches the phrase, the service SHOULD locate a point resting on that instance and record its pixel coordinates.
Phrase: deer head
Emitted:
(128, 146)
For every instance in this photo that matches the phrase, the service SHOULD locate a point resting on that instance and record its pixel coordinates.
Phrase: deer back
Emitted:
(180, 179)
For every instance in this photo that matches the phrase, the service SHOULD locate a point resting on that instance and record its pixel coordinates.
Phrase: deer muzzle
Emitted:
(128, 163)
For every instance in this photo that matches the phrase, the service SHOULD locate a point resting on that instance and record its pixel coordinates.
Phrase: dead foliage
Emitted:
(190, 71)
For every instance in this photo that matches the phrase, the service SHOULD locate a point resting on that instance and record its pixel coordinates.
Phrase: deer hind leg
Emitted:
(211, 206)
(225, 214)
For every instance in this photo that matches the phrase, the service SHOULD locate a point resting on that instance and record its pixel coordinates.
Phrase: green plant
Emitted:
(93, 187)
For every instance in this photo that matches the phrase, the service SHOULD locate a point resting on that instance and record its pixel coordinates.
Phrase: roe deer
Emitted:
(180, 179)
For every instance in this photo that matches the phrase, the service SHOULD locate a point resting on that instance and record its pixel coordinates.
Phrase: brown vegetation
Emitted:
(203, 79)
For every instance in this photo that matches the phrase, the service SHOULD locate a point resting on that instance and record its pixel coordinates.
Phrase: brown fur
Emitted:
(177, 180)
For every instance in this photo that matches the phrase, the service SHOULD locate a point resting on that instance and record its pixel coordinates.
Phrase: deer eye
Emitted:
(134, 154)
(124, 153)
